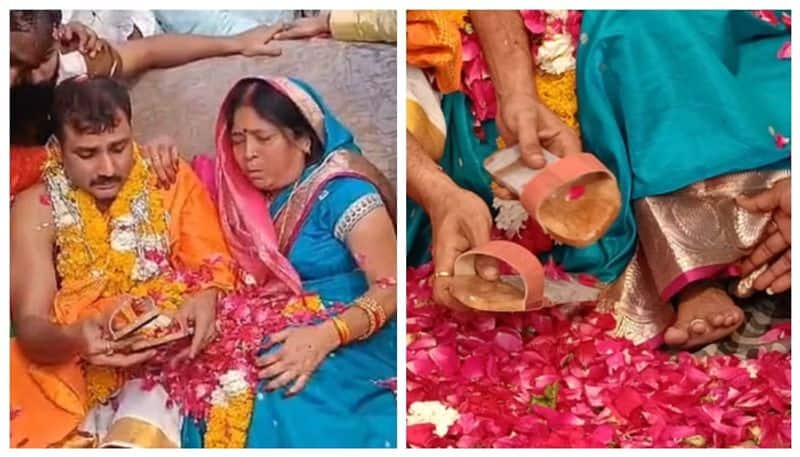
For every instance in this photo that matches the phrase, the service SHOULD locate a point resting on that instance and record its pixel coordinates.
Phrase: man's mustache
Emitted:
(104, 180)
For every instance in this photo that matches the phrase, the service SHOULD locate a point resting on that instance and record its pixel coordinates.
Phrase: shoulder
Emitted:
(31, 208)
(346, 200)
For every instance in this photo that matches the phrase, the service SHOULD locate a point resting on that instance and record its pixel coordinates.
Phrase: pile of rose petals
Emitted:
(546, 379)
(244, 319)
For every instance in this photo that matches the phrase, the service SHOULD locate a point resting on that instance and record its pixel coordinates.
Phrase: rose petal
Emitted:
(508, 340)
(785, 52)
(767, 16)
(575, 192)
(419, 435)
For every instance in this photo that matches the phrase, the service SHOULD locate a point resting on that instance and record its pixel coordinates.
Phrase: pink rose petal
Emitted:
(446, 359)
(767, 16)
(575, 192)
(785, 52)
(508, 340)
(419, 435)
(786, 19)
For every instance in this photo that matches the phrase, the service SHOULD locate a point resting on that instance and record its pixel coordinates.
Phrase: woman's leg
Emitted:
(706, 313)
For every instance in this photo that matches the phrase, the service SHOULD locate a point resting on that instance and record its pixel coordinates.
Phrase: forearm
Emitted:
(506, 48)
(425, 181)
(45, 342)
(172, 50)
(357, 319)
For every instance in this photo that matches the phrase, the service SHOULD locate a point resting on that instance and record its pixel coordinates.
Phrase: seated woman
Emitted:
(302, 209)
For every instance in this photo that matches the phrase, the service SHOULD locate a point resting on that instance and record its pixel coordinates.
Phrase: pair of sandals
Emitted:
(575, 199)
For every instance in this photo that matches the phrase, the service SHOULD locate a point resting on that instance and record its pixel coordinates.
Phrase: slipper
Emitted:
(575, 199)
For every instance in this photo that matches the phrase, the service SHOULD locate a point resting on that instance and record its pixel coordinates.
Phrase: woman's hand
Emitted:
(98, 349)
(301, 352)
(162, 156)
(307, 27)
(525, 121)
(776, 247)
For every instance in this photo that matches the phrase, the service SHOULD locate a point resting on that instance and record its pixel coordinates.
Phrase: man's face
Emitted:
(99, 163)
(34, 57)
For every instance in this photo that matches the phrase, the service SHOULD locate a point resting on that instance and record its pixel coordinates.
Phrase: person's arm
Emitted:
(345, 25)
(426, 183)
(33, 282)
(505, 46)
(373, 240)
(172, 50)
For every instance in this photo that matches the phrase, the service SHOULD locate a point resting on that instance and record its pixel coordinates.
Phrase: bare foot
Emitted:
(706, 313)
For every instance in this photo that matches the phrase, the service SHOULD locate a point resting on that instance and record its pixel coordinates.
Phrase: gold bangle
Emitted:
(372, 322)
(342, 329)
(376, 309)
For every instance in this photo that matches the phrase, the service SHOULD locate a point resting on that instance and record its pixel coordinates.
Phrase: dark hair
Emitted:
(30, 20)
(273, 106)
(89, 104)
(30, 106)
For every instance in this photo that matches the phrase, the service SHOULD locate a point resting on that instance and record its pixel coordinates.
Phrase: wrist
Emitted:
(233, 44)
(330, 336)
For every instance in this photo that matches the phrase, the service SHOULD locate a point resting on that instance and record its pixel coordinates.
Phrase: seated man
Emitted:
(97, 229)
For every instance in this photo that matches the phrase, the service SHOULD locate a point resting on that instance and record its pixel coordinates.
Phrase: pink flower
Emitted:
(781, 141)
(575, 192)
(535, 20)
(767, 16)
(786, 19)
(785, 52)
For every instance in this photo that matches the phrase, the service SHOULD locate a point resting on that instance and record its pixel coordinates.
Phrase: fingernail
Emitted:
(770, 291)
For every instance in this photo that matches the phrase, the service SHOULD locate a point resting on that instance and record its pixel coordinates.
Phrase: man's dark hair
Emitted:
(89, 104)
(29, 20)
(31, 123)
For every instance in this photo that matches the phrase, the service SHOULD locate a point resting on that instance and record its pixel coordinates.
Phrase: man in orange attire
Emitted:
(96, 229)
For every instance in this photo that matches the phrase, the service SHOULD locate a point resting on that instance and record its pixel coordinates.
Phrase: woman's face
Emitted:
(270, 157)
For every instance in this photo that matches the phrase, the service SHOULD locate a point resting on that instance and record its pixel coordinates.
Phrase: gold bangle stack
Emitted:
(345, 336)
(375, 313)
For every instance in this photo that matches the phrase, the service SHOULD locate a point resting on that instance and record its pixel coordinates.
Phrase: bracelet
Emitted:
(373, 324)
(342, 329)
(375, 312)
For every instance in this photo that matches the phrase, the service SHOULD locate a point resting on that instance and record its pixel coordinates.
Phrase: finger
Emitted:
(180, 357)
(269, 359)
(444, 256)
(769, 248)
(282, 380)
(268, 50)
(161, 166)
(529, 147)
(203, 327)
(783, 223)
(123, 360)
(174, 158)
(487, 268)
(274, 370)
(763, 202)
(563, 142)
(778, 268)
(299, 384)
(781, 284)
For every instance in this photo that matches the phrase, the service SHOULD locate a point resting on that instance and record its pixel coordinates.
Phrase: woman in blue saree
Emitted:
(303, 210)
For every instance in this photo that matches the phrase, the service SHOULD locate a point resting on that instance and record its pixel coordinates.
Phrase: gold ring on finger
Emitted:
(442, 274)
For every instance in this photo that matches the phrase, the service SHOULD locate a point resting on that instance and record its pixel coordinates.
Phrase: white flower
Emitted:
(555, 55)
(249, 280)
(557, 14)
(511, 216)
(432, 412)
(218, 397)
(144, 269)
(233, 382)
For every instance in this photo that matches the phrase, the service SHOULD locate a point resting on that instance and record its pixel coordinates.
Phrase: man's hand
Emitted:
(307, 27)
(199, 311)
(75, 36)
(256, 41)
(96, 347)
(525, 121)
(461, 221)
(776, 246)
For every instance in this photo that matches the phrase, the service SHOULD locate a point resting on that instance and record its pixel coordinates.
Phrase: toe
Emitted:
(698, 327)
(718, 319)
(676, 336)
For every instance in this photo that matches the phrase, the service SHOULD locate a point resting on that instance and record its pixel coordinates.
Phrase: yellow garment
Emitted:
(433, 41)
(52, 400)
(377, 25)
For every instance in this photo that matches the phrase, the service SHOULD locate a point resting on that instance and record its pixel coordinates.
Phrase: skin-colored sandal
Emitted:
(575, 199)
(526, 290)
